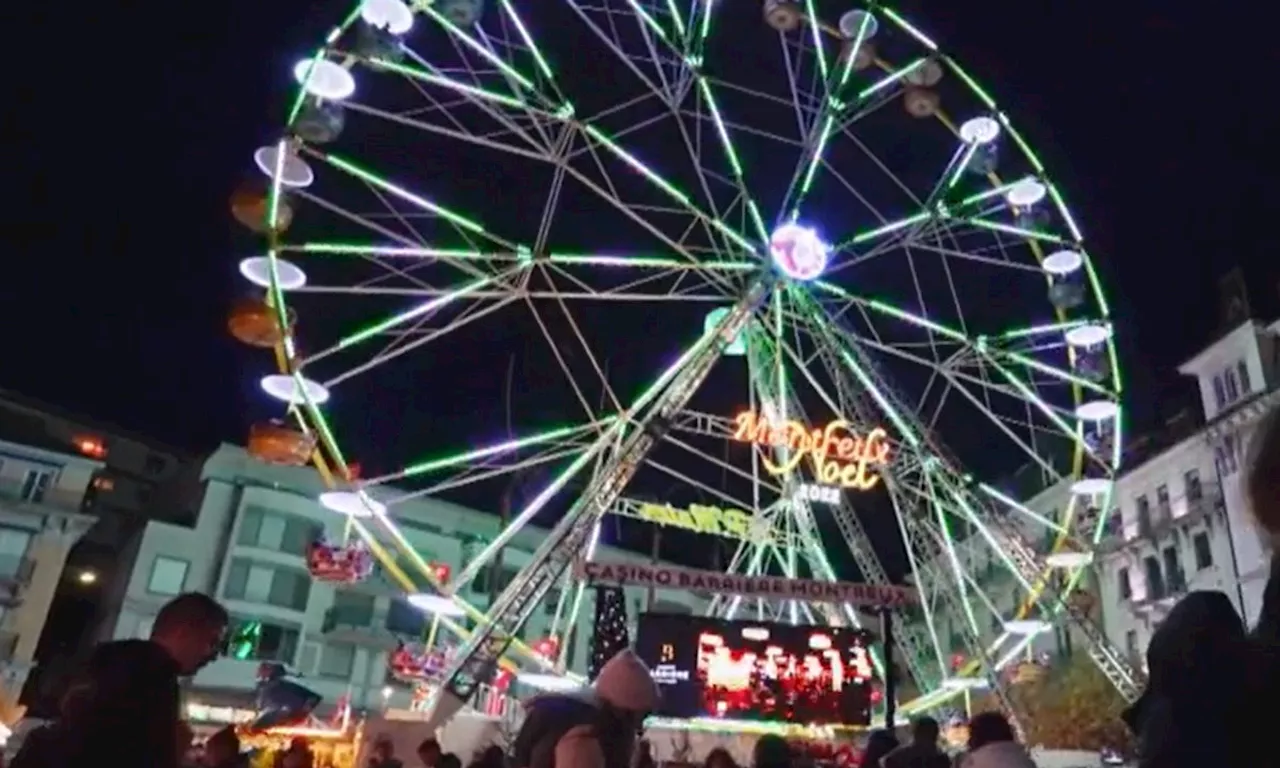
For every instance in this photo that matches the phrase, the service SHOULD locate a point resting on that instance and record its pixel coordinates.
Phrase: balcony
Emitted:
(15, 575)
(1161, 596)
(1162, 518)
(8, 645)
(53, 498)
(347, 624)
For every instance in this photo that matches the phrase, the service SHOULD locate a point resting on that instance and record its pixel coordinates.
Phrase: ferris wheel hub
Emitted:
(798, 251)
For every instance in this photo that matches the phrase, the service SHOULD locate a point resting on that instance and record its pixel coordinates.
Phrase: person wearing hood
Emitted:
(592, 728)
(923, 751)
(127, 709)
(993, 745)
(1189, 715)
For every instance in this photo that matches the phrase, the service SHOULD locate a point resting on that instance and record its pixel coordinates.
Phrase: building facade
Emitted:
(247, 548)
(41, 493)
(62, 477)
(1184, 520)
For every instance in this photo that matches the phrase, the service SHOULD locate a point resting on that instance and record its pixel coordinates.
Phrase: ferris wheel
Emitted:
(786, 259)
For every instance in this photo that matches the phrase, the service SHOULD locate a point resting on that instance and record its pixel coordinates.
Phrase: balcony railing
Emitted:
(8, 645)
(351, 624)
(12, 494)
(1160, 518)
(15, 575)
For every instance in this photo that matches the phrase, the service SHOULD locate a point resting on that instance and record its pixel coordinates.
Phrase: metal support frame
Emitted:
(478, 659)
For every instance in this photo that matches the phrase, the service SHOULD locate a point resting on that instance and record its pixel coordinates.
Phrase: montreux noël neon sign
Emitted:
(837, 454)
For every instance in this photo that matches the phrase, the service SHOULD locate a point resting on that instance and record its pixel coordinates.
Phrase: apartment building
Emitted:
(61, 477)
(1184, 521)
(247, 547)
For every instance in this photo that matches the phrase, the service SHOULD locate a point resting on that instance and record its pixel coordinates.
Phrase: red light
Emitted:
(91, 447)
(441, 571)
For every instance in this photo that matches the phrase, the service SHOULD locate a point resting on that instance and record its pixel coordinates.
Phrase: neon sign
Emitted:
(837, 454)
(699, 518)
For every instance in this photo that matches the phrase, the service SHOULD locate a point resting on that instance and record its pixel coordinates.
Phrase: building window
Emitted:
(168, 576)
(36, 484)
(1225, 456)
(1155, 579)
(1232, 385)
(1191, 484)
(1162, 499)
(1144, 513)
(1173, 570)
(13, 550)
(404, 620)
(1219, 393)
(254, 640)
(1131, 642)
(154, 464)
(1126, 589)
(259, 583)
(355, 609)
(481, 582)
(1204, 553)
(265, 529)
(337, 661)
(1246, 385)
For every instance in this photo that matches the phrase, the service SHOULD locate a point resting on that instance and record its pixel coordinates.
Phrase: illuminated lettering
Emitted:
(701, 518)
(837, 454)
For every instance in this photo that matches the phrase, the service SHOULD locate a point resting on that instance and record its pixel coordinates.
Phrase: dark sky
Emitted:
(139, 121)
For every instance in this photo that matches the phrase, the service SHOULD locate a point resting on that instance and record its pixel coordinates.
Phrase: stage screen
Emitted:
(743, 670)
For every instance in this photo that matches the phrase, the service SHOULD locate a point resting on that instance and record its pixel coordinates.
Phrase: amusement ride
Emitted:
(786, 262)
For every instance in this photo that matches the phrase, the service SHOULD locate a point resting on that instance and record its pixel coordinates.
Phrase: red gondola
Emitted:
(339, 563)
(412, 663)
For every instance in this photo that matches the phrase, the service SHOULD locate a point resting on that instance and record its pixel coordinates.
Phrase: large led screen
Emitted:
(741, 670)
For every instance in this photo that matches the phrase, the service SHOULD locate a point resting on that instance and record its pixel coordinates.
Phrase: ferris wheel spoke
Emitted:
(559, 355)
(469, 42)
(477, 475)
(516, 117)
(829, 124)
(712, 219)
(404, 241)
(513, 446)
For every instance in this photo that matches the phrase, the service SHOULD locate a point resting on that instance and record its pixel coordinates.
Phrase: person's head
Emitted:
(191, 628)
(924, 730)
(493, 756)
(988, 728)
(880, 743)
(771, 751)
(1262, 484)
(222, 747)
(428, 752)
(75, 701)
(383, 748)
(297, 758)
(626, 688)
(719, 758)
(1196, 645)
(450, 760)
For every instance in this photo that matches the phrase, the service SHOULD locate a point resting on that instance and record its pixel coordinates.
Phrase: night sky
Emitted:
(142, 120)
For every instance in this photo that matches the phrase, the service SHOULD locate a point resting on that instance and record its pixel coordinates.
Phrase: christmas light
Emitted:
(610, 634)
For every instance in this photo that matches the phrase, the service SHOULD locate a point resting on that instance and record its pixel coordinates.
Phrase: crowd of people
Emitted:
(1208, 700)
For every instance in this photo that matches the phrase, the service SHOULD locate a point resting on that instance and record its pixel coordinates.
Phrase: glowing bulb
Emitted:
(798, 251)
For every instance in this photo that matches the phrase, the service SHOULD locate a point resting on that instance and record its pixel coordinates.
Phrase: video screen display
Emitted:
(739, 670)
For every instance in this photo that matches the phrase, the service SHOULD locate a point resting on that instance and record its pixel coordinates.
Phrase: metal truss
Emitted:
(478, 659)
